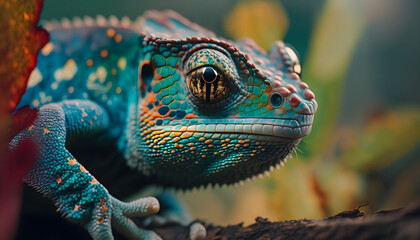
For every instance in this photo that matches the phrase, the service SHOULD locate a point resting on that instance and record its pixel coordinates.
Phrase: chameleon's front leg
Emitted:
(78, 196)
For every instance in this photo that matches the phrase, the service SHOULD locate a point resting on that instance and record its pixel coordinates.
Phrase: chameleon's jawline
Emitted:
(270, 132)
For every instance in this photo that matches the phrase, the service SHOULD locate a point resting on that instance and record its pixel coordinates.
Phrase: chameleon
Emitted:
(181, 106)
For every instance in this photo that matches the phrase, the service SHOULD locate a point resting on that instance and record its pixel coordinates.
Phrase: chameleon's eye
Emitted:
(294, 61)
(207, 84)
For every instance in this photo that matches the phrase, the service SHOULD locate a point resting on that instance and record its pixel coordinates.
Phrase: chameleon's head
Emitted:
(214, 111)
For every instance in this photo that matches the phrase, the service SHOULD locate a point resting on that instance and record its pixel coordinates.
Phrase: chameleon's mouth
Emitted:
(278, 130)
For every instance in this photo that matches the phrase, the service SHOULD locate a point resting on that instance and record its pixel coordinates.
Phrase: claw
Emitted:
(119, 213)
(197, 231)
(139, 208)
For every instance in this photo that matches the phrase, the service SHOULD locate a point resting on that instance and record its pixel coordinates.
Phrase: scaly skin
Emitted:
(184, 107)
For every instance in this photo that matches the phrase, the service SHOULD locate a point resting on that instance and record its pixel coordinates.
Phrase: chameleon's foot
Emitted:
(119, 212)
(197, 231)
(172, 212)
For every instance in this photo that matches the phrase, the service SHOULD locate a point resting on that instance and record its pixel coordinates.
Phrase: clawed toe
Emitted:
(197, 231)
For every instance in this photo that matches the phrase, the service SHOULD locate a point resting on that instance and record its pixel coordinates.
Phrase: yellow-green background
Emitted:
(361, 58)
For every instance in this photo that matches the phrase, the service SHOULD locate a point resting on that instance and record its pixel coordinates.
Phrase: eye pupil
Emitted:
(207, 85)
(209, 75)
(276, 100)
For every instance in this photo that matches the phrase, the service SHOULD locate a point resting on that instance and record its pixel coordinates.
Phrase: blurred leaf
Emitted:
(334, 40)
(294, 194)
(21, 41)
(341, 185)
(385, 139)
(263, 21)
(404, 189)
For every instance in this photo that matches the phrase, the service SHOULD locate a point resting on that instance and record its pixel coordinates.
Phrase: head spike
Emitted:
(77, 22)
(89, 22)
(65, 23)
(125, 22)
(50, 25)
(101, 21)
(113, 21)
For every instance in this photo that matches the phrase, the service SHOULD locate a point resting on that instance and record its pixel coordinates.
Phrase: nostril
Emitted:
(276, 100)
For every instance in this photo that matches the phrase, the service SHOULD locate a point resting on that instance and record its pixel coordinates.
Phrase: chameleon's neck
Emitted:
(128, 142)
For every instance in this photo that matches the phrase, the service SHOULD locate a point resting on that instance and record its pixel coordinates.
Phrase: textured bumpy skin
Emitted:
(184, 107)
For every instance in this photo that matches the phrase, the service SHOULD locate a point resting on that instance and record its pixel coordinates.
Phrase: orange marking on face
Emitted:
(100, 220)
(89, 62)
(114, 71)
(94, 181)
(101, 201)
(104, 53)
(59, 180)
(156, 115)
(190, 115)
(118, 90)
(46, 131)
(71, 161)
(77, 207)
(30, 127)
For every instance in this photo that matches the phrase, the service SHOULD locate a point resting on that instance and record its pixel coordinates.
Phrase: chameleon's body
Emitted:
(183, 107)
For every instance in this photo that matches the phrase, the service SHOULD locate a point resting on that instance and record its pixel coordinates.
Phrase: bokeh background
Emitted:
(361, 58)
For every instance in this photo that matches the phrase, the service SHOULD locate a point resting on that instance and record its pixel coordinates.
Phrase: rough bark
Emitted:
(402, 223)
